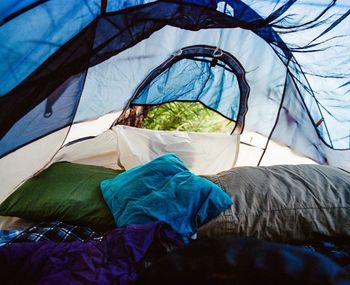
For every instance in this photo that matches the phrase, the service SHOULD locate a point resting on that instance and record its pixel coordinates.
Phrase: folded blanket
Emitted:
(117, 259)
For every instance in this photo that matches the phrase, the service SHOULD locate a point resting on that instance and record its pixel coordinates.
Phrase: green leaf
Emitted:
(186, 116)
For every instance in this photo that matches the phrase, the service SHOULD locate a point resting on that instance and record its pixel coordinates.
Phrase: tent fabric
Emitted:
(191, 76)
(56, 112)
(203, 153)
(24, 163)
(67, 62)
(102, 85)
(56, 22)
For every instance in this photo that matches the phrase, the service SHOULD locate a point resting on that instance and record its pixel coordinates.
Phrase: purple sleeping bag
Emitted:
(117, 259)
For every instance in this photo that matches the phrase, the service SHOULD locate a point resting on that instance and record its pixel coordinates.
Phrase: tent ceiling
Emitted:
(295, 54)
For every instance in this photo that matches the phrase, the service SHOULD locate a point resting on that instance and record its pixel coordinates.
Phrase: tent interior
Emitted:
(72, 71)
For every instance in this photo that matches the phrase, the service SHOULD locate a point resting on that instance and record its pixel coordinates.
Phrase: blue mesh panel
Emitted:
(8, 8)
(194, 80)
(48, 26)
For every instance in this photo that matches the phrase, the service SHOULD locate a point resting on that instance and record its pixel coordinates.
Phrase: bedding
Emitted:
(283, 203)
(297, 204)
(14, 223)
(55, 231)
(117, 259)
(68, 192)
(224, 261)
(164, 190)
(337, 249)
(7, 235)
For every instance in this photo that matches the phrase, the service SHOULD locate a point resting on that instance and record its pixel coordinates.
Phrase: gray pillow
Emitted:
(283, 202)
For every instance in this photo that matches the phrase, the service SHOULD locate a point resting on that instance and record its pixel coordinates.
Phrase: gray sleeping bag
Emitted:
(284, 202)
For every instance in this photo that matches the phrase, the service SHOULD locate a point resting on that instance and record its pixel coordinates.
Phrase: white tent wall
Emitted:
(28, 160)
(124, 147)
(275, 154)
(203, 153)
(91, 128)
(101, 150)
(104, 150)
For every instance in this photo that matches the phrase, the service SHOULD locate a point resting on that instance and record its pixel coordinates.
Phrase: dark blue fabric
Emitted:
(54, 113)
(53, 23)
(117, 259)
(336, 249)
(246, 262)
(10, 8)
(164, 190)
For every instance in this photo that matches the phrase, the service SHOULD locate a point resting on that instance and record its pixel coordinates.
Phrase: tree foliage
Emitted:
(186, 116)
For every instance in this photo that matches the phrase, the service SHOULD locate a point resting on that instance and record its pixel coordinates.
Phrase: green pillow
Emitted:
(67, 192)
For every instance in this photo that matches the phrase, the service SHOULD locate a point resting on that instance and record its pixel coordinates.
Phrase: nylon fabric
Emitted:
(294, 49)
(203, 153)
